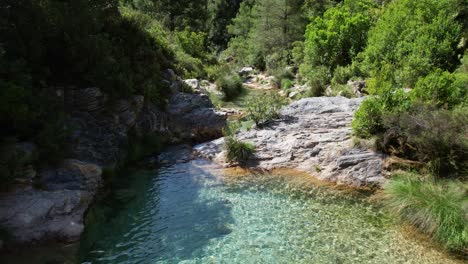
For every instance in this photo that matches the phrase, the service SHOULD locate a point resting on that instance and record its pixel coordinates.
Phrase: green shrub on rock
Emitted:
(262, 109)
(238, 151)
(230, 84)
(368, 118)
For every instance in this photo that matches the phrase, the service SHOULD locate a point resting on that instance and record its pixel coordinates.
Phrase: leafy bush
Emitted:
(413, 38)
(238, 151)
(192, 43)
(230, 84)
(442, 89)
(339, 35)
(436, 208)
(368, 118)
(262, 109)
(437, 137)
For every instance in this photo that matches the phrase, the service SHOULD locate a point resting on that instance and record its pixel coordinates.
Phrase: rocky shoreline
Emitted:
(51, 203)
(313, 135)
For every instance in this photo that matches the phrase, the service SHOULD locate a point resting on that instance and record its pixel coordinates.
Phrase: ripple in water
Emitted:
(194, 213)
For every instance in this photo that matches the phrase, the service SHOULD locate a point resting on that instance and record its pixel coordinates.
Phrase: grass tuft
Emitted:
(439, 209)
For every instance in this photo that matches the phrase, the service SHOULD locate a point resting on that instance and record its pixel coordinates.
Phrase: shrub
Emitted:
(238, 151)
(437, 137)
(262, 109)
(317, 78)
(230, 84)
(286, 84)
(339, 35)
(342, 75)
(436, 208)
(413, 38)
(368, 118)
(442, 89)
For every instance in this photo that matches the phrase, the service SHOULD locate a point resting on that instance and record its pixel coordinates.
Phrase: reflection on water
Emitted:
(194, 213)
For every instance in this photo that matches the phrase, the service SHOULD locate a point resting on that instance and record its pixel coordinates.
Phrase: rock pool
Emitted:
(196, 212)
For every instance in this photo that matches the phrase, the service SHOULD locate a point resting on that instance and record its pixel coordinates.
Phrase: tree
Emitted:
(339, 35)
(413, 38)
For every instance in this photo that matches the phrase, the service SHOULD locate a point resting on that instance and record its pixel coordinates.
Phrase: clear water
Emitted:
(198, 213)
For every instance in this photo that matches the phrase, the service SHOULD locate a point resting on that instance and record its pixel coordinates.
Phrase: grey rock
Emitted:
(193, 83)
(193, 117)
(246, 71)
(312, 133)
(55, 212)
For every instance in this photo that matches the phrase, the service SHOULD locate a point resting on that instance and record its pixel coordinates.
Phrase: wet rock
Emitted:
(312, 133)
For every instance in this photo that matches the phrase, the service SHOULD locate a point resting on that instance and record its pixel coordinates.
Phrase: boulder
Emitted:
(193, 83)
(246, 71)
(193, 117)
(313, 135)
(54, 212)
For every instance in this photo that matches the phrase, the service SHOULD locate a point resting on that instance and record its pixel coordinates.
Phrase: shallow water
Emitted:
(198, 213)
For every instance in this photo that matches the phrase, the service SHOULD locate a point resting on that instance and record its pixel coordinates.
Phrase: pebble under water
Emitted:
(196, 212)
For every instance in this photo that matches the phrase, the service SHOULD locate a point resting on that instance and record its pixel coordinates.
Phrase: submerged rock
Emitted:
(313, 135)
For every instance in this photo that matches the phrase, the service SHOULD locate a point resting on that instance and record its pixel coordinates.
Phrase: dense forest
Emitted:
(413, 56)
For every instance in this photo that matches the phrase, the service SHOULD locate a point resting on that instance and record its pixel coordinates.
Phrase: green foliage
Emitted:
(193, 43)
(442, 89)
(318, 79)
(264, 32)
(286, 84)
(262, 109)
(238, 151)
(413, 38)
(341, 90)
(336, 38)
(342, 75)
(230, 84)
(436, 208)
(437, 137)
(368, 118)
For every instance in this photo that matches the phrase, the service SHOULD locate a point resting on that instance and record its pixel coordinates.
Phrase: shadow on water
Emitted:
(163, 216)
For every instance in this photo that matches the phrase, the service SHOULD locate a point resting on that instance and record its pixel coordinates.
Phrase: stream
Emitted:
(198, 212)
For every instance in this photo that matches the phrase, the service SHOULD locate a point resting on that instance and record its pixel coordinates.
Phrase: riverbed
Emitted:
(198, 212)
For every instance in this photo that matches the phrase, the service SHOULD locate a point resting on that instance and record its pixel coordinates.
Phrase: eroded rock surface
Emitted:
(54, 211)
(314, 135)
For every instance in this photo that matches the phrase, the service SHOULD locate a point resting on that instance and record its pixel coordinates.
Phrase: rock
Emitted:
(193, 83)
(88, 99)
(293, 94)
(246, 71)
(358, 87)
(55, 212)
(193, 117)
(312, 133)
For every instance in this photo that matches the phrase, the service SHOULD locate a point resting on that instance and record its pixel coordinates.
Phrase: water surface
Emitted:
(197, 212)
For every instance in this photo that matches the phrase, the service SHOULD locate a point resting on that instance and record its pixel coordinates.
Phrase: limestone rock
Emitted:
(313, 135)
(55, 212)
(193, 83)
(193, 117)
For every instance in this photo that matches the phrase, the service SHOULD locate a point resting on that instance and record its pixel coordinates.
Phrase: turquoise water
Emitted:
(196, 213)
